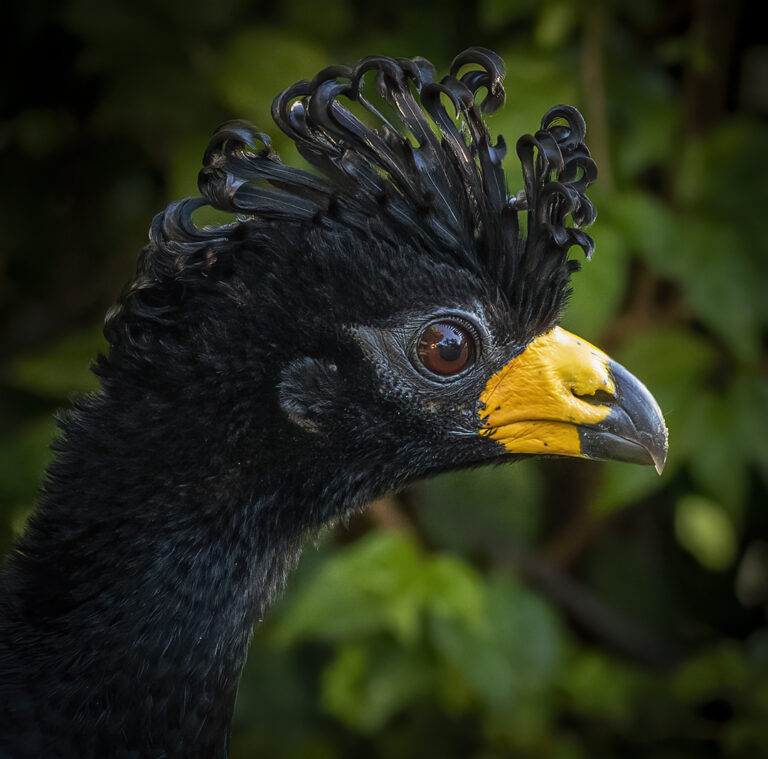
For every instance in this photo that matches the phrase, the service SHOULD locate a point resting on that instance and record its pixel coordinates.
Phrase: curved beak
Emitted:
(563, 396)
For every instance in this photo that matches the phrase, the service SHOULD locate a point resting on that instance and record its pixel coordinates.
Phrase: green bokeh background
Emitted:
(550, 609)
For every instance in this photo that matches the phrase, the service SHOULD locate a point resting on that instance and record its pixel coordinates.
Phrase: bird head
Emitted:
(393, 313)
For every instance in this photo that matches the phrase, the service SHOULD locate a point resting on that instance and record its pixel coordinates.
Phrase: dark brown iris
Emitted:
(446, 348)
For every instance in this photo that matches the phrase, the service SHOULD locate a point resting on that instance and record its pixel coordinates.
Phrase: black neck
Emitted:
(138, 584)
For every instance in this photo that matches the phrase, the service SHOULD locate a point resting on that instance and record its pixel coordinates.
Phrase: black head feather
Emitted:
(427, 169)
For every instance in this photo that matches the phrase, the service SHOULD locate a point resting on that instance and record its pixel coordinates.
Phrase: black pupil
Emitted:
(450, 345)
(445, 349)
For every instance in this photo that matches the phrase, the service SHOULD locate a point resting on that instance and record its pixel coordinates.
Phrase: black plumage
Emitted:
(264, 378)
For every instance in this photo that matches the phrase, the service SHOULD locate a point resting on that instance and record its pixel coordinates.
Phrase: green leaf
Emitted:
(648, 226)
(186, 161)
(648, 138)
(302, 18)
(365, 685)
(61, 369)
(382, 583)
(711, 437)
(623, 484)
(493, 14)
(671, 362)
(613, 566)
(375, 585)
(706, 531)
(556, 20)
(600, 285)
(23, 460)
(42, 131)
(748, 401)
(512, 655)
(716, 672)
(453, 590)
(258, 63)
(156, 100)
(601, 687)
(707, 257)
(643, 116)
(503, 502)
(726, 157)
(720, 280)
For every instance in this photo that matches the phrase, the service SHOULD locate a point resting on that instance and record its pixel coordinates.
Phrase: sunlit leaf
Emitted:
(453, 590)
(556, 20)
(374, 585)
(512, 655)
(365, 686)
(256, 65)
(704, 529)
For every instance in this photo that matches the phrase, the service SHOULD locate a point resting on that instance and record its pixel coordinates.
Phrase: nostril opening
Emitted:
(598, 398)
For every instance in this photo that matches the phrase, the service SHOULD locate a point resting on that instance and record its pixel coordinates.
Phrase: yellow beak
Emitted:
(563, 396)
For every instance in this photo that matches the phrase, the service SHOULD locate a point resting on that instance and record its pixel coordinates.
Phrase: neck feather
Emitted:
(129, 606)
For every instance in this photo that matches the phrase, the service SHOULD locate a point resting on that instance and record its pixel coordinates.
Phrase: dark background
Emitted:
(551, 609)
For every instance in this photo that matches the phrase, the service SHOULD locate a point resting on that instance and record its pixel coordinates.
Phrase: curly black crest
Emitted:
(426, 170)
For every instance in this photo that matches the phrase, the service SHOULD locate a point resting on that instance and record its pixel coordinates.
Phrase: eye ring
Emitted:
(446, 348)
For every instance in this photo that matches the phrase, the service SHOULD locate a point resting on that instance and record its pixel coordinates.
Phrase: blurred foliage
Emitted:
(551, 609)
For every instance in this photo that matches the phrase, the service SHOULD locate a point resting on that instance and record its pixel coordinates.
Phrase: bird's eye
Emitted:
(446, 348)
